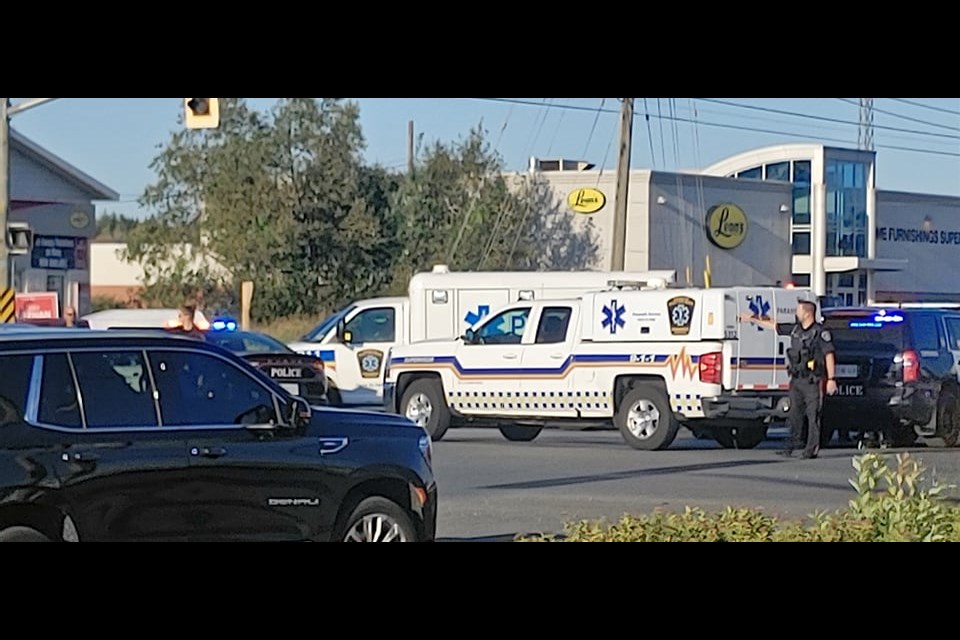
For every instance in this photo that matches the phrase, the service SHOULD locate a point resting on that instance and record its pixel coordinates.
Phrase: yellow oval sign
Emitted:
(587, 201)
(727, 226)
(79, 219)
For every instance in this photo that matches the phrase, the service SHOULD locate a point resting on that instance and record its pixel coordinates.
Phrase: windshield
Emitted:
(242, 342)
(324, 327)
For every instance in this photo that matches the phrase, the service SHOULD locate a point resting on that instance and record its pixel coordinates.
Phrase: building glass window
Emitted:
(801, 191)
(846, 208)
(779, 172)
(751, 174)
(801, 279)
(801, 244)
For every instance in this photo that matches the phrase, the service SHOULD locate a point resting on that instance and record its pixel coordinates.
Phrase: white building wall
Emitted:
(678, 238)
(924, 230)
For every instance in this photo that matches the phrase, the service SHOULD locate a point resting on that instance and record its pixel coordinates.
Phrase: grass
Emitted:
(288, 329)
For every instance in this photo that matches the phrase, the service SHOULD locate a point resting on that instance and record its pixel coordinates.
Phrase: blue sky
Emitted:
(115, 139)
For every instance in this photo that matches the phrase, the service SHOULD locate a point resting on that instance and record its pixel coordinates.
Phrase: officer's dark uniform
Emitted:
(807, 359)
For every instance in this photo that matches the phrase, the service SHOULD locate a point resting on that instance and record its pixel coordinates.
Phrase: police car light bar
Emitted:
(224, 324)
(878, 321)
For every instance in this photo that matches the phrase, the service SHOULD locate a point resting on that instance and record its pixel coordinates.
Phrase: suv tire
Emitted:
(22, 534)
(379, 520)
(427, 394)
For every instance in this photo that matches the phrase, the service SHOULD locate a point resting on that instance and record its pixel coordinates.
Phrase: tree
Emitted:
(281, 199)
(114, 227)
(459, 208)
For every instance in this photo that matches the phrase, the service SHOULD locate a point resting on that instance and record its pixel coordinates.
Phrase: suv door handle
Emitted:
(556, 356)
(209, 452)
(510, 356)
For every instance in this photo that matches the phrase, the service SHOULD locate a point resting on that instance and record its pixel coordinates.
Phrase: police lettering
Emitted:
(853, 390)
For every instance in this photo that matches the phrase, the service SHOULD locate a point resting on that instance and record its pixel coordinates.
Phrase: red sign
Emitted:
(38, 306)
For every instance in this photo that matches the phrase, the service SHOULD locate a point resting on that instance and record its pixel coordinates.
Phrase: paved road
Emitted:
(492, 489)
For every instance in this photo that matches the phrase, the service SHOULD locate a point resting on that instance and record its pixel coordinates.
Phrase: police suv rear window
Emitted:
(863, 328)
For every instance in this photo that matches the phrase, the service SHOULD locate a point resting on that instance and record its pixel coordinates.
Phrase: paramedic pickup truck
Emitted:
(647, 360)
(440, 305)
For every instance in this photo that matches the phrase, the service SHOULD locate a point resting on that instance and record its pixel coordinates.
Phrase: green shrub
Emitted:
(891, 506)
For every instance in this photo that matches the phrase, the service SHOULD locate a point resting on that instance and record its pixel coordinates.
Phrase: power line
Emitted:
(596, 118)
(530, 103)
(902, 117)
(824, 118)
(506, 121)
(555, 132)
(616, 132)
(531, 147)
(663, 154)
(653, 155)
(675, 119)
(927, 106)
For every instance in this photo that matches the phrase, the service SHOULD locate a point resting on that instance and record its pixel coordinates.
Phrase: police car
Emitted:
(298, 374)
(897, 373)
(648, 361)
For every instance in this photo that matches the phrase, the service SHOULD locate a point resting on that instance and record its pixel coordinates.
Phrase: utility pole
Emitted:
(6, 112)
(623, 186)
(865, 136)
(410, 148)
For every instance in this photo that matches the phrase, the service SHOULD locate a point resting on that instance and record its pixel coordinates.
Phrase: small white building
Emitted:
(113, 276)
(57, 200)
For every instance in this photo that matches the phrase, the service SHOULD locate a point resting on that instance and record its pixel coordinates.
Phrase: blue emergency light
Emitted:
(224, 324)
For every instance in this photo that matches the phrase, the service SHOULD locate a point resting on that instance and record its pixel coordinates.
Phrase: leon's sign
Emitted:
(726, 226)
(587, 201)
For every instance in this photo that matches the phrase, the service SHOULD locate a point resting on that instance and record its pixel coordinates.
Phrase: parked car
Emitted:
(896, 373)
(300, 375)
(137, 435)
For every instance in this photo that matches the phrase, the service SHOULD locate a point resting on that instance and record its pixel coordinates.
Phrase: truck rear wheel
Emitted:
(645, 419)
(423, 403)
(744, 437)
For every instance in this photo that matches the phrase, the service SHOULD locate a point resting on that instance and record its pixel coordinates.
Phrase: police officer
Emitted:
(185, 325)
(812, 365)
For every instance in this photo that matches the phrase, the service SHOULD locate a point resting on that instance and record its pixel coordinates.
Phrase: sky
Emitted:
(115, 139)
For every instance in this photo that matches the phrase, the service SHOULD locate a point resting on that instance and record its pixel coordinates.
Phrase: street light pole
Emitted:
(7, 111)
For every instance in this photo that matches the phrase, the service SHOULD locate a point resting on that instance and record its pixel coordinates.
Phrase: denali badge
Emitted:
(293, 502)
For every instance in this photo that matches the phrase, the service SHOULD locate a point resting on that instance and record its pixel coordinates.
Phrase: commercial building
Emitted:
(809, 214)
(57, 201)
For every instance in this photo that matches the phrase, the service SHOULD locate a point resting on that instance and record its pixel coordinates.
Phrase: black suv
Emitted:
(896, 373)
(127, 435)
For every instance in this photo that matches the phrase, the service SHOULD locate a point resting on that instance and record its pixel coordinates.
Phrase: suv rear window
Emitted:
(861, 329)
(926, 332)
